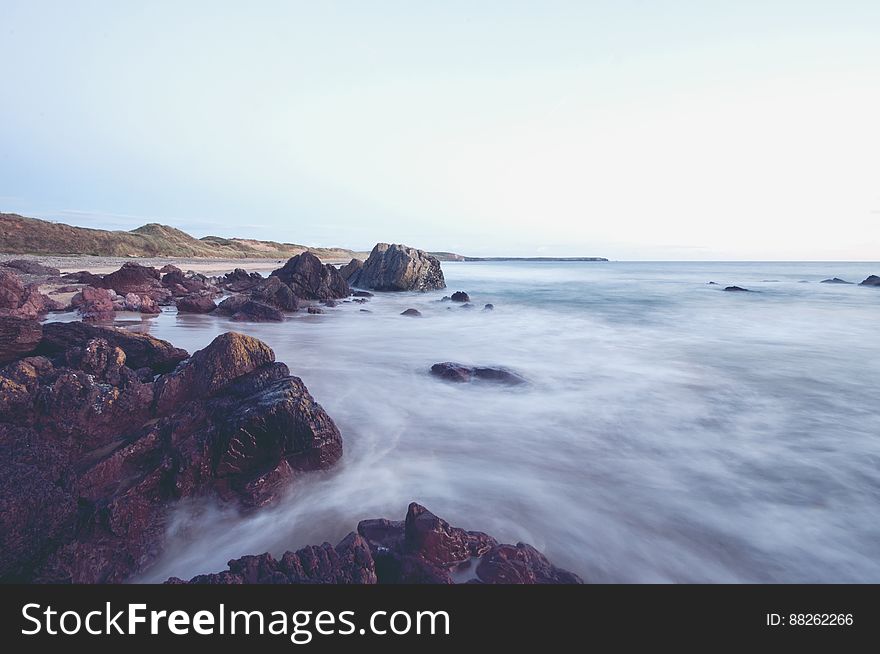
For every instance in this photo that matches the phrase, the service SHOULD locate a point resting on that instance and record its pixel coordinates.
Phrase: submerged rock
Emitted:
(412, 313)
(871, 280)
(310, 279)
(457, 372)
(94, 453)
(835, 280)
(315, 310)
(421, 549)
(196, 304)
(251, 311)
(737, 289)
(361, 294)
(399, 268)
(460, 296)
(489, 307)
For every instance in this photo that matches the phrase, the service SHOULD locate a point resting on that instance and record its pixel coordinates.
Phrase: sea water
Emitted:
(669, 432)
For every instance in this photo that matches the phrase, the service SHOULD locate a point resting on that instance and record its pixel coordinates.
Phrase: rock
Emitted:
(95, 304)
(360, 300)
(169, 268)
(466, 305)
(399, 268)
(31, 267)
(361, 294)
(456, 372)
(240, 280)
(309, 279)
(141, 350)
(83, 277)
(275, 293)
(349, 562)
(412, 313)
(489, 307)
(713, 283)
(460, 296)
(737, 289)
(871, 280)
(187, 284)
(421, 549)
(835, 280)
(135, 278)
(521, 564)
(149, 305)
(329, 303)
(366, 311)
(232, 304)
(350, 270)
(252, 311)
(21, 301)
(93, 454)
(196, 304)
(18, 337)
(315, 310)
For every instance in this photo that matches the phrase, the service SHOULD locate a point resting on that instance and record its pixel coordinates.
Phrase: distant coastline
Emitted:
(533, 259)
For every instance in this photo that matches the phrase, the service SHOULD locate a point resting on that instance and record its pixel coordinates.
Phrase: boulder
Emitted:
(180, 283)
(412, 313)
(240, 280)
(275, 293)
(94, 454)
(489, 307)
(134, 278)
(196, 304)
(460, 296)
(18, 337)
(871, 280)
(421, 549)
(315, 310)
(361, 294)
(95, 304)
(141, 350)
(457, 372)
(399, 268)
(310, 279)
(350, 270)
(251, 311)
(83, 277)
(835, 280)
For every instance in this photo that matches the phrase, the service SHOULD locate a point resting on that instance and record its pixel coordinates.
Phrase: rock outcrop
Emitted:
(835, 280)
(251, 311)
(421, 549)
(18, 337)
(94, 450)
(19, 300)
(460, 296)
(138, 279)
(240, 280)
(309, 279)
(737, 289)
(31, 267)
(871, 280)
(397, 268)
(457, 372)
(196, 304)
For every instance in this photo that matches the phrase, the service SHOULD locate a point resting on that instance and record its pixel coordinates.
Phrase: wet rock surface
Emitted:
(421, 549)
(457, 372)
(398, 268)
(871, 280)
(196, 304)
(94, 450)
(18, 337)
(309, 279)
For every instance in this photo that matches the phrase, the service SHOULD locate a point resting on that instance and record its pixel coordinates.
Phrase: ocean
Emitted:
(669, 431)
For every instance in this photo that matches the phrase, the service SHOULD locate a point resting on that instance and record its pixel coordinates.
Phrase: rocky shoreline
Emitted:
(103, 431)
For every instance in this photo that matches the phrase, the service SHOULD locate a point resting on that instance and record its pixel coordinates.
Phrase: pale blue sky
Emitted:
(640, 130)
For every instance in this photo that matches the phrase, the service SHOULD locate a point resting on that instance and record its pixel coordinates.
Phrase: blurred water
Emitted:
(670, 431)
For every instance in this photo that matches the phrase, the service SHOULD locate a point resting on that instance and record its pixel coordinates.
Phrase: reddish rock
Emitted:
(196, 304)
(31, 267)
(95, 304)
(521, 564)
(141, 350)
(135, 278)
(18, 337)
(309, 279)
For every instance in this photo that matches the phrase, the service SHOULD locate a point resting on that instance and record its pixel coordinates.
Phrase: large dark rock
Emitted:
(18, 337)
(196, 304)
(31, 267)
(310, 279)
(93, 453)
(240, 280)
(275, 293)
(190, 283)
(350, 270)
(141, 350)
(422, 549)
(835, 280)
(737, 289)
(399, 268)
(457, 372)
(135, 278)
(871, 280)
(411, 313)
(460, 296)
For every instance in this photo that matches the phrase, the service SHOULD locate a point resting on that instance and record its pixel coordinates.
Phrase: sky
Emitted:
(629, 129)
